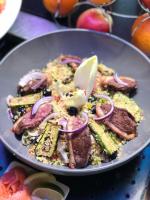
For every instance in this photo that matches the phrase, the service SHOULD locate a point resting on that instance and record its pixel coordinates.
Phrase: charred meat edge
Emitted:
(116, 121)
(79, 149)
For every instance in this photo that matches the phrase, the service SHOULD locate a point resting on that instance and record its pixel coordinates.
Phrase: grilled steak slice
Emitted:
(74, 61)
(29, 121)
(79, 146)
(120, 121)
(110, 83)
(33, 86)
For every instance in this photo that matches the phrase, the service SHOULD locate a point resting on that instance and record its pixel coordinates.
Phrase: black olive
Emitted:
(91, 99)
(113, 156)
(67, 80)
(68, 94)
(93, 109)
(22, 110)
(72, 111)
(46, 92)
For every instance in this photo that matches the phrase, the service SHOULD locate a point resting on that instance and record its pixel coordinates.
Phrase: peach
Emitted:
(100, 2)
(141, 33)
(63, 6)
(95, 19)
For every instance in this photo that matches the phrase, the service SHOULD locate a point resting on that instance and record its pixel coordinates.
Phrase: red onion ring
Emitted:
(63, 122)
(111, 103)
(85, 116)
(71, 60)
(118, 80)
(10, 114)
(39, 103)
(50, 116)
(33, 75)
(61, 146)
(8, 99)
(34, 87)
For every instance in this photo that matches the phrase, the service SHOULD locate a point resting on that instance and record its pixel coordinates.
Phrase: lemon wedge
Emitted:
(48, 181)
(36, 198)
(47, 193)
(85, 75)
(38, 178)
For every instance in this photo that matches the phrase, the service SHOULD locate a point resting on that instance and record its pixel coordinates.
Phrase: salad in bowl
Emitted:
(74, 112)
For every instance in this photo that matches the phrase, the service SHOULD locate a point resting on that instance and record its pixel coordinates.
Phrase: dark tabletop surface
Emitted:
(127, 182)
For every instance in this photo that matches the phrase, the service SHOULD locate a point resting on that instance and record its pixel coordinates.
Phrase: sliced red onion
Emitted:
(49, 117)
(33, 75)
(34, 87)
(39, 103)
(35, 198)
(8, 99)
(85, 116)
(71, 60)
(61, 146)
(111, 103)
(33, 133)
(64, 156)
(118, 80)
(63, 122)
(10, 114)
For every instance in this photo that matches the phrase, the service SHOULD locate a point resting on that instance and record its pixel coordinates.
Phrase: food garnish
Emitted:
(85, 75)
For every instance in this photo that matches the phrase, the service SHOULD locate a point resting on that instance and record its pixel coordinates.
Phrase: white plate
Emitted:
(9, 15)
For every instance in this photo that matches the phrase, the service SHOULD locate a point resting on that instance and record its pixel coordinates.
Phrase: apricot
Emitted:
(64, 7)
(100, 2)
(141, 33)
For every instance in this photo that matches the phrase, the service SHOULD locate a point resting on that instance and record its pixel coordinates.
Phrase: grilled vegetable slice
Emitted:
(47, 143)
(123, 101)
(103, 138)
(116, 139)
(104, 70)
(24, 100)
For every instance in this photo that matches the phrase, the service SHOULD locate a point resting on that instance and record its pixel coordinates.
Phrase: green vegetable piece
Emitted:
(47, 143)
(123, 101)
(24, 100)
(95, 153)
(116, 140)
(104, 70)
(103, 138)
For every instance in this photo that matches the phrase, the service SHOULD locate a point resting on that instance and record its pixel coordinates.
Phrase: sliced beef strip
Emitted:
(74, 65)
(79, 145)
(120, 121)
(33, 86)
(110, 83)
(29, 121)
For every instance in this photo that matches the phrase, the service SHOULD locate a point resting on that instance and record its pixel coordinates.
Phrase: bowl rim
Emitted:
(68, 171)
